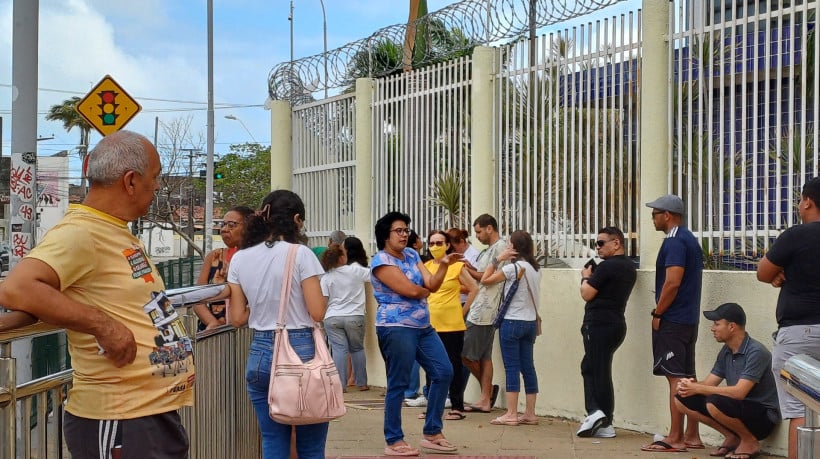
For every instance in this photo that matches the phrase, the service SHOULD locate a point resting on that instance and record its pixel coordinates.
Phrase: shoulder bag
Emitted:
(535, 306)
(302, 393)
(507, 299)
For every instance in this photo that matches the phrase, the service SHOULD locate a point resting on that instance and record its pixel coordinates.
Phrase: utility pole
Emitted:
(190, 230)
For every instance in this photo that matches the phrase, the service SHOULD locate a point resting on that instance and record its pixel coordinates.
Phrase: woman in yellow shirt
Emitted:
(447, 313)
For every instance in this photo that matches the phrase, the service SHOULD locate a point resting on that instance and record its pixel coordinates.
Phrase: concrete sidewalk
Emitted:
(359, 434)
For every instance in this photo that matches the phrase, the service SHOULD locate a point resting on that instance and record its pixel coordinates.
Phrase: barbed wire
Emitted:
(462, 26)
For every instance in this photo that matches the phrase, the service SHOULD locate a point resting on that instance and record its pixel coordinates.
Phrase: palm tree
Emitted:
(66, 113)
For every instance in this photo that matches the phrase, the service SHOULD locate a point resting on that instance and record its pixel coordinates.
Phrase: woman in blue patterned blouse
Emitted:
(401, 285)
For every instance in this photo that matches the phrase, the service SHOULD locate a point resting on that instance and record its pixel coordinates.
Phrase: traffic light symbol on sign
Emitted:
(108, 106)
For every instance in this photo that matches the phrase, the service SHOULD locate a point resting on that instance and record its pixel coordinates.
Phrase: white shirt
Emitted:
(260, 269)
(344, 289)
(471, 255)
(521, 307)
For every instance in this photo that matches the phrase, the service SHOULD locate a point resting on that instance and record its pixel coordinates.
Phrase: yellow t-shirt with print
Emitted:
(101, 264)
(445, 303)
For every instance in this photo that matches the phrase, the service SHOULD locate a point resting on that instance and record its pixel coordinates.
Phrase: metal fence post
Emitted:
(8, 405)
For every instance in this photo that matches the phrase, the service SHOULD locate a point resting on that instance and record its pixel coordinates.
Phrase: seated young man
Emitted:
(745, 410)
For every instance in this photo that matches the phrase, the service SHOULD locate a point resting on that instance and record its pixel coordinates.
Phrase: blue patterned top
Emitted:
(395, 310)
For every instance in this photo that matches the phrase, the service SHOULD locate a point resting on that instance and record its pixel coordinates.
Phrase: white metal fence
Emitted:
(744, 102)
(421, 146)
(324, 137)
(567, 136)
(567, 125)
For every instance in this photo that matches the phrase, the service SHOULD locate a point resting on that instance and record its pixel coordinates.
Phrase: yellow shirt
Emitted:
(100, 263)
(445, 303)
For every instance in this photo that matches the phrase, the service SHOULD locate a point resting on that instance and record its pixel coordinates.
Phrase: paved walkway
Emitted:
(359, 434)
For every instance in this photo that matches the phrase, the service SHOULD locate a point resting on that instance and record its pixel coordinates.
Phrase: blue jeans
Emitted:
(413, 386)
(517, 338)
(310, 439)
(346, 335)
(400, 346)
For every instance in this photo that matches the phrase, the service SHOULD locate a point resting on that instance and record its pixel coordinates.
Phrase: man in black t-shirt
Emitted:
(793, 264)
(606, 290)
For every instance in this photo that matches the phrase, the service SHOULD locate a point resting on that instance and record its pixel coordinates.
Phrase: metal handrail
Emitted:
(29, 331)
(37, 386)
(802, 376)
(221, 403)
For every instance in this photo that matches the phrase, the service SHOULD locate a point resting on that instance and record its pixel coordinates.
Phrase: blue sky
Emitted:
(156, 50)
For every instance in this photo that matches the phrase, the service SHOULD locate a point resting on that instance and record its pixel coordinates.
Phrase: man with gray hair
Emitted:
(336, 237)
(91, 276)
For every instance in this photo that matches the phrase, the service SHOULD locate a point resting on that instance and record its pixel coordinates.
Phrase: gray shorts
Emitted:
(789, 341)
(160, 435)
(478, 342)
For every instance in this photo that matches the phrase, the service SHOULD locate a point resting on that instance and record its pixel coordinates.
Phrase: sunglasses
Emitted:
(600, 243)
(437, 243)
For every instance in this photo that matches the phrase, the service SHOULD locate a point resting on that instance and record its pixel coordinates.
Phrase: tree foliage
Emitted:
(246, 176)
(67, 114)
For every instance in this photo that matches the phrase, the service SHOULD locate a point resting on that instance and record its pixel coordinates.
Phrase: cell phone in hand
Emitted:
(591, 264)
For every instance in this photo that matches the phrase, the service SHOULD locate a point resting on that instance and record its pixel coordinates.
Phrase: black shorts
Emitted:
(756, 417)
(160, 435)
(673, 348)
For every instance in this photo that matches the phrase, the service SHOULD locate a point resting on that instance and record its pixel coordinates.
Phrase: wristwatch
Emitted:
(657, 316)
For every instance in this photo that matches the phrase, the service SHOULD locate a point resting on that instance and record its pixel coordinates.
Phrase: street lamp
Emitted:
(231, 117)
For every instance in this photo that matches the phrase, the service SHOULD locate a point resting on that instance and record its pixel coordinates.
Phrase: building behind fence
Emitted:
(562, 135)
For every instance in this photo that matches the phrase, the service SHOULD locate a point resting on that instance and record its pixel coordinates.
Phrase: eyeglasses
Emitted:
(230, 224)
(600, 242)
(437, 243)
(400, 231)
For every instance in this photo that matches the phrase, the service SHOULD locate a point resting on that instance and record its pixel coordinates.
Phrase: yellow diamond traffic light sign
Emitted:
(108, 107)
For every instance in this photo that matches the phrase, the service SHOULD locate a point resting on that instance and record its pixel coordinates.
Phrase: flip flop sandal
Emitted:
(438, 446)
(494, 395)
(454, 416)
(662, 447)
(400, 450)
(695, 446)
(723, 451)
(743, 455)
(528, 422)
(474, 409)
(499, 421)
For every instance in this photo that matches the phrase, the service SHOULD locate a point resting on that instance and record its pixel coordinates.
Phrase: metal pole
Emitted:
(209, 165)
(324, 32)
(24, 126)
(8, 411)
(290, 18)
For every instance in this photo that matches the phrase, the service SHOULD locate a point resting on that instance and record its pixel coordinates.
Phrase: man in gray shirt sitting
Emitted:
(745, 410)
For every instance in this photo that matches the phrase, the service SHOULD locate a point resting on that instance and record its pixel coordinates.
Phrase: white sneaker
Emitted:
(591, 423)
(447, 403)
(605, 432)
(417, 402)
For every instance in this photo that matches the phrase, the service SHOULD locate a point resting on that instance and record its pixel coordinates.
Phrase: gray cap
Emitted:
(669, 203)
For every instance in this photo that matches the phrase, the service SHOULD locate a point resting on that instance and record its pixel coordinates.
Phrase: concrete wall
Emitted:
(641, 399)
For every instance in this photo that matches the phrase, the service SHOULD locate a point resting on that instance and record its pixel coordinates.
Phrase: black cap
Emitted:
(731, 312)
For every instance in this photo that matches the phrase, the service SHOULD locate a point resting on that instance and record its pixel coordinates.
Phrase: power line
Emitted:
(175, 101)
